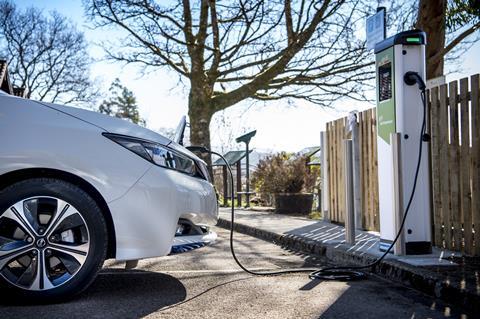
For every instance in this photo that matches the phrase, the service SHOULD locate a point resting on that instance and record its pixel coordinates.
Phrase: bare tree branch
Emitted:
(246, 90)
(235, 50)
(46, 54)
(455, 42)
(289, 22)
(213, 72)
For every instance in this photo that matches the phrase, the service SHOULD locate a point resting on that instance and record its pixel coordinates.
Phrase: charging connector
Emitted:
(412, 78)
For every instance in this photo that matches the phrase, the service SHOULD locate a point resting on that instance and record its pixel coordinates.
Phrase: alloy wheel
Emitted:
(44, 242)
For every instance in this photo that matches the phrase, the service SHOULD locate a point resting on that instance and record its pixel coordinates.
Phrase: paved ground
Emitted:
(207, 284)
(442, 274)
(366, 242)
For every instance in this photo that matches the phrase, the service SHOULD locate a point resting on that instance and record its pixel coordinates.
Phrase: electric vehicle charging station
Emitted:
(400, 111)
(402, 160)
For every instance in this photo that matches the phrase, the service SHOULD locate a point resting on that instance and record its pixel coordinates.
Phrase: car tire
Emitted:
(54, 248)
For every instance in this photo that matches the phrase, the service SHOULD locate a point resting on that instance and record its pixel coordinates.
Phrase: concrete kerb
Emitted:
(418, 278)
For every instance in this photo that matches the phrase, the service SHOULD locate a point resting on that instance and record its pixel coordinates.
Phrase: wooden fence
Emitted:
(367, 136)
(336, 178)
(369, 169)
(455, 150)
(454, 122)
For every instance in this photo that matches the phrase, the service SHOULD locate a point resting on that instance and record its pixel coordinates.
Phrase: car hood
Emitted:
(116, 125)
(110, 124)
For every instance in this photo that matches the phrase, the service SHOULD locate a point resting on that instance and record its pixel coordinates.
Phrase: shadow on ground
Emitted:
(116, 293)
(395, 302)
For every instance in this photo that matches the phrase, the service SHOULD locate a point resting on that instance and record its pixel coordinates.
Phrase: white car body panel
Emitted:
(110, 124)
(145, 200)
(160, 192)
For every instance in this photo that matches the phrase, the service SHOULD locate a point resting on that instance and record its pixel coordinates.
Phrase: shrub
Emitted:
(283, 173)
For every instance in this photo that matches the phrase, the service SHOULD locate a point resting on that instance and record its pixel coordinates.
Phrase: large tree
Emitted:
(46, 54)
(230, 51)
(448, 24)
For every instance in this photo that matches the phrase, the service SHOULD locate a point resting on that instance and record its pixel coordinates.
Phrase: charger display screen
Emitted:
(385, 81)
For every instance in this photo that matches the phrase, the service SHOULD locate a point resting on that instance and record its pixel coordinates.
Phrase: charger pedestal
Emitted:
(400, 110)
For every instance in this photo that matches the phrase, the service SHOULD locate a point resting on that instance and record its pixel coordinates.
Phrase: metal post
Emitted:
(225, 187)
(352, 131)
(349, 214)
(396, 142)
(319, 201)
(357, 206)
(248, 177)
(384, 20)
(239, 184)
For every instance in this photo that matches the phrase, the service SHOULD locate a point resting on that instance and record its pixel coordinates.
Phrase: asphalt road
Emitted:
(207, 283)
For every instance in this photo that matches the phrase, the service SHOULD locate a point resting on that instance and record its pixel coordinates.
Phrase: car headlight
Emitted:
(204, 169)
(158, 154)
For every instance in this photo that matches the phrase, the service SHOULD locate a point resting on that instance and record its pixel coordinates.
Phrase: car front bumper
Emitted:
(146, 217)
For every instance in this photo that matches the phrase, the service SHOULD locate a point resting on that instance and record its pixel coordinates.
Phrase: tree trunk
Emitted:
(200, 114)
(431, 19)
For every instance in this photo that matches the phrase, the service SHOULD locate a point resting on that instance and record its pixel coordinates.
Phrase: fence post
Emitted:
(324, 175)
(349, 198)
(396, 142)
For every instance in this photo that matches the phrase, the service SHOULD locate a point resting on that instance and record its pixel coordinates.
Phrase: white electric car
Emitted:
(78, 187)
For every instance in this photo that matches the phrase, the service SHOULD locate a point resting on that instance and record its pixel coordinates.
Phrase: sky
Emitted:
(162, 99)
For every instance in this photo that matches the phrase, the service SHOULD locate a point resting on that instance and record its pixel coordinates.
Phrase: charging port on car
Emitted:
(189, 236)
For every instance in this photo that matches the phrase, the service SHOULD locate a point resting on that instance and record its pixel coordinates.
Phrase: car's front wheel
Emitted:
(53, 239)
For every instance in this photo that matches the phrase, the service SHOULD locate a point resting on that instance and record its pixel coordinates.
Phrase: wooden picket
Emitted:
(453, 163)
(465, 170)
(454, 124)
(475, 156)
(444, 195)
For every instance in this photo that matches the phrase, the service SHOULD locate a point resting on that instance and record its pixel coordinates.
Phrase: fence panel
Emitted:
(335, 136)
(367, 136)
(455, 151)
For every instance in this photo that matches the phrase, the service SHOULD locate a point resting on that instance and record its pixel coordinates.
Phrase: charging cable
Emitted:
(344, 273)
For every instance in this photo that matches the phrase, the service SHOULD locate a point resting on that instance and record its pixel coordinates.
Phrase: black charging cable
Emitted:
(344, 273)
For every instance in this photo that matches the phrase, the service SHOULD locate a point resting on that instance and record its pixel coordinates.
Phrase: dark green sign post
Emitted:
(246, 139)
